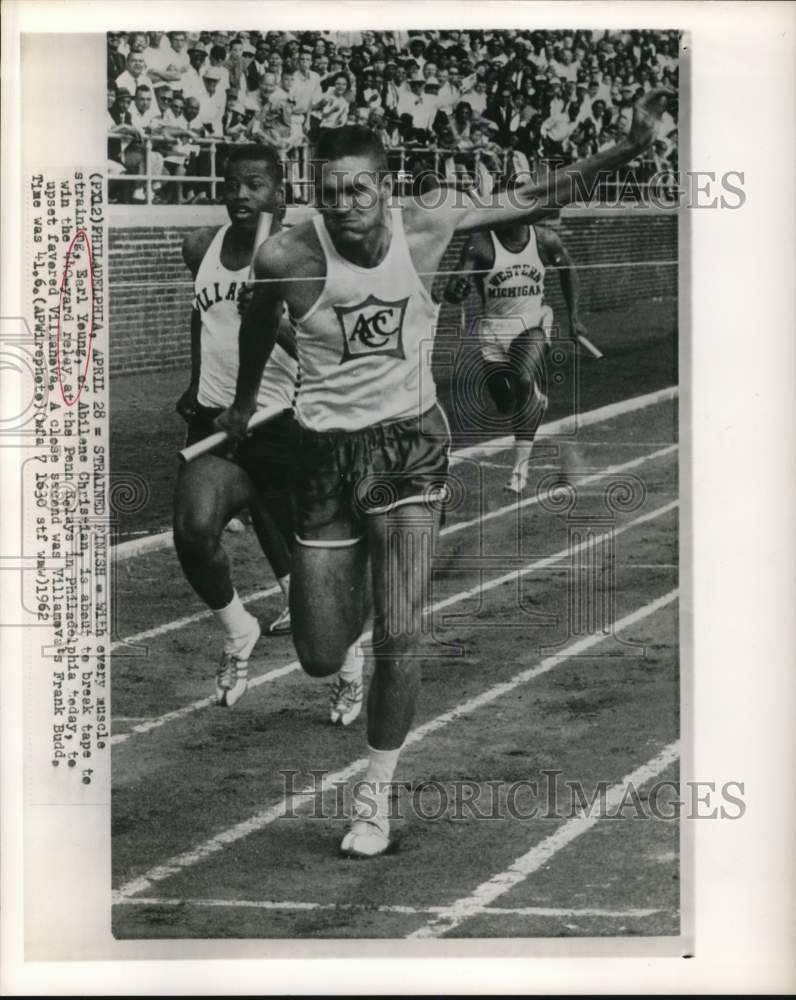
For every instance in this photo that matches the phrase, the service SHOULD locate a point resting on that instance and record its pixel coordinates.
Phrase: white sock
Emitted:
(236, 622)
(284, 584)
(351, 669)
(373, 792)
(381, 765)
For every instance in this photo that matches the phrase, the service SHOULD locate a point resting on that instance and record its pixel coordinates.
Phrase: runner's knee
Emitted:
(318, 660)
(196, 530)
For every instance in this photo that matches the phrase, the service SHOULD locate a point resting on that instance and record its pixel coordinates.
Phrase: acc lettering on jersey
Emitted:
(210, 295)
(373, 327)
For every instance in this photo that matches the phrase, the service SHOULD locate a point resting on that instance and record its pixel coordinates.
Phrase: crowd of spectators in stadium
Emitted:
(467, 105)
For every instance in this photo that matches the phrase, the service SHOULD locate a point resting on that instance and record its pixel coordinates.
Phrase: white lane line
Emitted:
(138, 546)
(473, 905)
(578, 485)
(200, 703)
(259, 821)
(587, 419)
(451, 529)
(178, 623)
(304, 907)
(288, 668)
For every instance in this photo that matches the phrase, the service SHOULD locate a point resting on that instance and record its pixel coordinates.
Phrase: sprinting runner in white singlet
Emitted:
(254, 473)
(513, 296)
(365, 344)
(402, 453)
(509, 266)
(216, 291)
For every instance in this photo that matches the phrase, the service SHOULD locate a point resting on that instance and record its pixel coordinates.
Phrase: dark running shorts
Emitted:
(265, 455)
(340, 477)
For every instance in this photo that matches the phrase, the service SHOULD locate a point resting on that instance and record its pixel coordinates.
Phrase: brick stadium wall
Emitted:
(624, 255)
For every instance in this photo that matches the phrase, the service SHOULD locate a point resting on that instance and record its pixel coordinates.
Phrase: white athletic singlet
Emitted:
(513, 297)
(364, 346)
(216, 299)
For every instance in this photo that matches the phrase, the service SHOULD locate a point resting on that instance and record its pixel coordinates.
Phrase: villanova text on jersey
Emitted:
(498, 289)
(217, 291)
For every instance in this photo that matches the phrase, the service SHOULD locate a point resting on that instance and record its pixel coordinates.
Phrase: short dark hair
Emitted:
(351, 140)
(262, 154)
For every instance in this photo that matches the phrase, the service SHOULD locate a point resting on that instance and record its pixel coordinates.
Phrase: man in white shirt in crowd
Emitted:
(558, 128)
(156, 55)
(409, 98)
(416, 48)
(449, 93)
(135, 75)
(332, 107)
(599, 89)
(557, 102)
(170, 62)
(583, 102)
(269, 96)
(306, 87)
(565, 67)
(247, 58)
(164, 96)
(218, 56)
(426, 111)
(191, 80)
(394, 77)
(143, 108)
(476, 98)
(213, 102)
(144, 113)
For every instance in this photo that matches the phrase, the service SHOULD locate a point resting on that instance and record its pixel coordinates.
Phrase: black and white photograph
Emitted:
(421, 616)
(395, 413)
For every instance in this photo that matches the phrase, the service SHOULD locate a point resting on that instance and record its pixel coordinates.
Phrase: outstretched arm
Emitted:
(527, 202)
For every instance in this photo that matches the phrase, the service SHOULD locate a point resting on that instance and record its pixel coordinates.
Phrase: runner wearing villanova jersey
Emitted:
(509, 264)
(214, 487)
(373, 445)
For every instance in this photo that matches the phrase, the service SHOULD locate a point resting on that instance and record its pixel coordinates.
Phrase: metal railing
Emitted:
(459, 166)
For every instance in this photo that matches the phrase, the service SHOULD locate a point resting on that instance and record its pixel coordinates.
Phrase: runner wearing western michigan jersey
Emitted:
(214, 487)
(372, 456)
(514, 331)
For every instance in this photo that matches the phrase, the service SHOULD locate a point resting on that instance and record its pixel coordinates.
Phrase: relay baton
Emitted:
(585, 342)
(213, 441)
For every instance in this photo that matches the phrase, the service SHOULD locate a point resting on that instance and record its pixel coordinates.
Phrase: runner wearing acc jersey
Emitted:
(372, 457)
